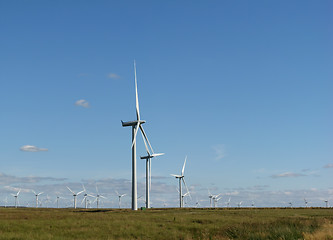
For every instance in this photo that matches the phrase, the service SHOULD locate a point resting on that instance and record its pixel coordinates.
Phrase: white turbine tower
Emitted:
(181, 178)
(36, 195)
(119, 197)
(16, 196)
(148, 168)
(135, 128)
(75, 195)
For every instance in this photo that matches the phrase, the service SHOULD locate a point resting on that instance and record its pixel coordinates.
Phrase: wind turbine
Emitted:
(306, 203)
(214, 197)
(239, 204)
(16, 196)
(228, 203)
(326, 201)
(57, 200)
(85, 198)
(36, 195)
(148, 168)
(181, 178)
(135, 128)
(75, 195)
(119, 197)
(47, 201)
(98, 195)
(210, 197)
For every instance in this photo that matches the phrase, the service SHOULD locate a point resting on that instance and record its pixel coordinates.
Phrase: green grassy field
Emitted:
(28, 223)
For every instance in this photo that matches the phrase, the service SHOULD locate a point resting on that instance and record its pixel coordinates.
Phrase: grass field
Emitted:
(242, 223)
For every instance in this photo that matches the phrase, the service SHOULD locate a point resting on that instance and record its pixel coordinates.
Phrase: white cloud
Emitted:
(113, 76)
(82, 103)
(31, 148)
(330, 165)
(287, 174)
(219, 151)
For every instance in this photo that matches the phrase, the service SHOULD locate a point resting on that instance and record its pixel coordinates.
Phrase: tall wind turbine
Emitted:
(135, 128)
(75, 195)
(148, 168)
(36, 195)
(181, 178)
(16, 196)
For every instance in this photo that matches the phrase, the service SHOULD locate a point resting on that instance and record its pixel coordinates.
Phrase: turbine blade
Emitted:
(40, 193)
(136, 95)
(97, 190)
(117, 193)
(186, 187)
(34, 192)
(83, 200)
(79, 193)
(157, 154)
(174, 175)
(144, 140)
(145, 135)
(18, 192)
(71, 190)
(184, 166)
(135, 133)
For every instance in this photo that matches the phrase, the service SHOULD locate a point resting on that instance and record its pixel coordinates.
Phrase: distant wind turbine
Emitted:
(16, 196)
(306, 203)
(98, 196)
(326, 201)
(85, 197)
(148, 168)
(239, 204)
(75, 195)
(181, 178)
(216, 199)
(135, 128)
(36, 195)
(119, 197)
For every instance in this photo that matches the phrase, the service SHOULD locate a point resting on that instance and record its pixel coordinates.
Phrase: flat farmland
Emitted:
(187, 223)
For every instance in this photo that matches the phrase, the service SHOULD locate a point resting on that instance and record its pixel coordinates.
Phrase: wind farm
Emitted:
(232, 101)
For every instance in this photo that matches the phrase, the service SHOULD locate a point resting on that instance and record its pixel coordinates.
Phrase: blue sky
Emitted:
(244, 89)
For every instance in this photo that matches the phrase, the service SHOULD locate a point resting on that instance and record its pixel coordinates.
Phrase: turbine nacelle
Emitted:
(132, 123)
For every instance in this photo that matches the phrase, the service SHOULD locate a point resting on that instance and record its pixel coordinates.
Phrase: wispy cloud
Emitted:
(287, 174)
(9, 179)
(113, 76)
(82, 103)
(219, 150)
(31, 148)
(330, 165)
